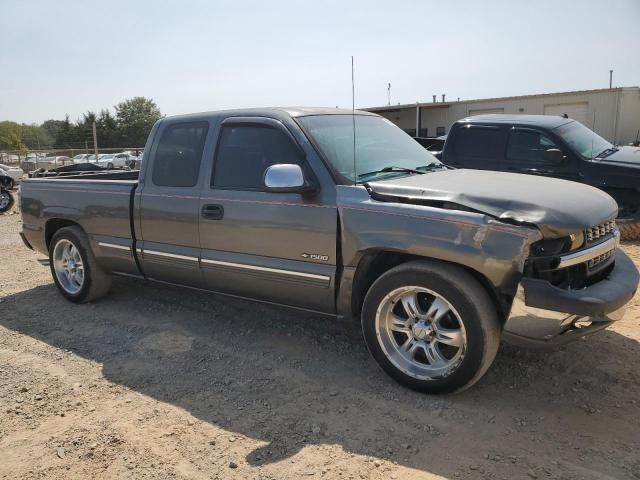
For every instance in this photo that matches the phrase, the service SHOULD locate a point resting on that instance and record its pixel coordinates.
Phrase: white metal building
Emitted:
(613, 113)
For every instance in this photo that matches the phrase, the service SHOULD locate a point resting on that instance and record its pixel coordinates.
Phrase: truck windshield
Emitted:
(381, 148)
(584, 141)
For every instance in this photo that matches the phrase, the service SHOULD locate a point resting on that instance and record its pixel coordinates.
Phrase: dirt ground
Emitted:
(160, 382)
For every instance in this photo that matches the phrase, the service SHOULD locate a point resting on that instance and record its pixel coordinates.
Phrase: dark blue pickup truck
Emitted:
(551, 146)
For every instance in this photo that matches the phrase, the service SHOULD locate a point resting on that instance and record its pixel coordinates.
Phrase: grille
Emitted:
(598, 231)
(599, 259)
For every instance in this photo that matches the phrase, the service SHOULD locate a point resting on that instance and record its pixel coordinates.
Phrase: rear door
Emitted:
(170, 246)
(525, 153)
(276, 247)
(479, 147)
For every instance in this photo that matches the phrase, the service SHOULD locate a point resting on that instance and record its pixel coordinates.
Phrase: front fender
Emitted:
(494, 249)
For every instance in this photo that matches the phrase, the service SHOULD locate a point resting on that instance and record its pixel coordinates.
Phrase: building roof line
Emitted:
(514, 97)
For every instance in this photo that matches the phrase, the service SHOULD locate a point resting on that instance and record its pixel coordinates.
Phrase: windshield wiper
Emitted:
(606, 152)
(391, 169)
(432, 166)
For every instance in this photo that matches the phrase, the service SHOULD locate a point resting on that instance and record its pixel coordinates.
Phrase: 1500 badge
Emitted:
(315, 256)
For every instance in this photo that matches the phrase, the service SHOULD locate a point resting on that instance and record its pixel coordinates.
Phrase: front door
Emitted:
(525, 153)
(276, 247)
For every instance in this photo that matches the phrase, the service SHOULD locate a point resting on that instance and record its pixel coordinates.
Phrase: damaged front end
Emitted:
(573, 280)
(566, 293)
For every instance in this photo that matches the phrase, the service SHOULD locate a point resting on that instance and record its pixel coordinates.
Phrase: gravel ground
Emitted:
(160, 382)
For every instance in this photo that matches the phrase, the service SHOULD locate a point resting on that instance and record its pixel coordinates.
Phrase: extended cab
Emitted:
(288, 206)
(550, 146)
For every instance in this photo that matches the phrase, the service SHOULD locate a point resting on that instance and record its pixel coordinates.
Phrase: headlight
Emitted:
(577, 240)
(553, 246)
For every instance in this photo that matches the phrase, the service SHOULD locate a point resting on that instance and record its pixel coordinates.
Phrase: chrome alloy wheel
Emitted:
(68, 266)
(420, 332)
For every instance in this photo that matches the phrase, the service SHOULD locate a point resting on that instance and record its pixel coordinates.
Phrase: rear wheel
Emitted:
(110, 166)
(431, 326)
(74, 269)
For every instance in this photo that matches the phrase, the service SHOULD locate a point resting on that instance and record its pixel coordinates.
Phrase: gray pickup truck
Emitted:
(343, 214)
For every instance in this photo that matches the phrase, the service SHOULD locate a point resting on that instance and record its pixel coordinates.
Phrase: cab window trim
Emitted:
(160, 133)
(527, 163)
(261, 122)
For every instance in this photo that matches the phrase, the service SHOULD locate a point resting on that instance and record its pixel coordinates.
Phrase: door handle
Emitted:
(212, 212)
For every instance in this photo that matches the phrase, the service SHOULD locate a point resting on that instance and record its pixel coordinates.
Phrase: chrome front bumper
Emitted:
(543, 315)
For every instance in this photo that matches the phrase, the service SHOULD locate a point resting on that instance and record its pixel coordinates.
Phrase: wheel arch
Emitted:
(374, 263)
(55, 224)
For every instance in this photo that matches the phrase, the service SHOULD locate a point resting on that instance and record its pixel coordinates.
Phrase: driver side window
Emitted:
(246, 151)
(528, 147)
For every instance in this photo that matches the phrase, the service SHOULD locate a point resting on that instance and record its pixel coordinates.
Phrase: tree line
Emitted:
(127, 127)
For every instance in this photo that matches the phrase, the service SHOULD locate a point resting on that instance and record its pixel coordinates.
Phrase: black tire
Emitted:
(110, 166)
(96, 283)
(6, 200)
(471, 302)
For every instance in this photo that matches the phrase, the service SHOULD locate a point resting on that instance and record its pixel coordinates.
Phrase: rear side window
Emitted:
(246, 151)
(178, 154)
(477, 142)
(528, 147)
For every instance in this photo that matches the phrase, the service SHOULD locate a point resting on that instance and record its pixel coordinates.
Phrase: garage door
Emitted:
(577, 111)
(482, 111)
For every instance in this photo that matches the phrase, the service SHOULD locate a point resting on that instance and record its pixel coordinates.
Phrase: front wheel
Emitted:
(431, 326)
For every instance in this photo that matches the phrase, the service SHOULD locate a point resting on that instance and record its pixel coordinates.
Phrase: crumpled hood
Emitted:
(625, 157)
(556, 207)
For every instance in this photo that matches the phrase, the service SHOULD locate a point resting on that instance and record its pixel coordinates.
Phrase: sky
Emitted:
(67, 57)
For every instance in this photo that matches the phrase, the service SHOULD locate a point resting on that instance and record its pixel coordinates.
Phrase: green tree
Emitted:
(35, 137)
(65, 134)
(52, 127)
(10, 137)
(134, 118)
(109, 134)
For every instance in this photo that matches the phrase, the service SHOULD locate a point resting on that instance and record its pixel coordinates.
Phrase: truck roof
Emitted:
(548, 121)
(271, 112)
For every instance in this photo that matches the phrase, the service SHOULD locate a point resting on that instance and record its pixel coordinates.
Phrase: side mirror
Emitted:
(554, 155)
(285, 177)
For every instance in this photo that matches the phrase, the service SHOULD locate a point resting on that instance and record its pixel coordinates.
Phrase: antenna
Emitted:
(593, 133)
(353, 120)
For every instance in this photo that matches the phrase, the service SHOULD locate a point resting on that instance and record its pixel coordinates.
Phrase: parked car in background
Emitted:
(550, 146)
(129, 158)
(82, 158)
(138, 161)
(433, 144)
(52, 162)
(437, 263)
(16, 173)
(113, 160)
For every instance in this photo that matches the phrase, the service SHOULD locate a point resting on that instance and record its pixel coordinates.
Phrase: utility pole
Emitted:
(388, 94)
(86, 146)
(95, 140)
(610, 78)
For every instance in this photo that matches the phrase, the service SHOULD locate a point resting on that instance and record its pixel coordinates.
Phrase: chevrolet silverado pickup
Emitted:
(341, 213)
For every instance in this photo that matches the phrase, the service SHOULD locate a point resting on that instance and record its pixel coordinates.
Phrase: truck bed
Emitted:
(100, 203)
